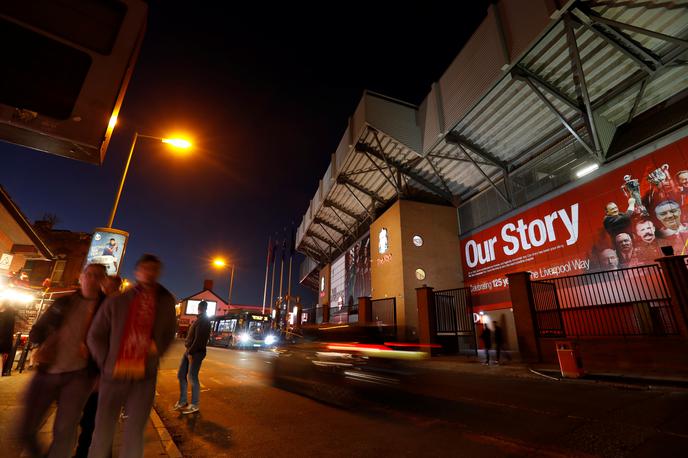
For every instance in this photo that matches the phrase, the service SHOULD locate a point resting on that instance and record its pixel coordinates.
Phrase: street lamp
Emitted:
(221, 263)
(175, 142)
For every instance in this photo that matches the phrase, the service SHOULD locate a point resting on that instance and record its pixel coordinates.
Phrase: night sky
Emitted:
(265, 92)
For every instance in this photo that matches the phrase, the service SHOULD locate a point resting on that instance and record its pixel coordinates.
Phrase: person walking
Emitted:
(498, 339)
(129, 335)
(109, 286)
(486, 337)
(65, 372)
(196, 342)
(8, 318)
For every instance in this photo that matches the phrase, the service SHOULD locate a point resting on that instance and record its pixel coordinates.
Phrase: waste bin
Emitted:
(569, 360)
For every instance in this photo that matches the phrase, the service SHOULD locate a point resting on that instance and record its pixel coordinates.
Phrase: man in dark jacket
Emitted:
(129, 334)
(196, 342)
(65, 373)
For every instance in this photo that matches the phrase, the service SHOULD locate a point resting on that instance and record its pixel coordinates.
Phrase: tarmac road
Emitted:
(476, 413)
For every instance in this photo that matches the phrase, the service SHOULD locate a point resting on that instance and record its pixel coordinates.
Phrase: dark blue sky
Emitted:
(265, 92)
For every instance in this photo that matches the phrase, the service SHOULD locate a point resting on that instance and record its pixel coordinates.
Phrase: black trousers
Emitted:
(87, 425)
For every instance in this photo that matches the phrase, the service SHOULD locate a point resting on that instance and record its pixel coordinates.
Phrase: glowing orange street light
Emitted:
(221, 263)
(179, 143)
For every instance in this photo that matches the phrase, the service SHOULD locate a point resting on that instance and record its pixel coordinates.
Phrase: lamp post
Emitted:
(175, 142)
(221, 263)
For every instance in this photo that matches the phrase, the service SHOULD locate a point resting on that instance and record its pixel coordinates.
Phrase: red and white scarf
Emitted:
(137, 340)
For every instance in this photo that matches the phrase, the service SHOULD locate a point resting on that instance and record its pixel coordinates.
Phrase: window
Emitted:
(58, 271)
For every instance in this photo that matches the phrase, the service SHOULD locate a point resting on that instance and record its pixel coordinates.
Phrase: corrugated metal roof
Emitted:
(478, 125)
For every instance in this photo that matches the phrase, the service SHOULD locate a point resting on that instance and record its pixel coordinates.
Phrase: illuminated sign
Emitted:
(383, 241)
(259, 318)
(107, 248)
(192, 307)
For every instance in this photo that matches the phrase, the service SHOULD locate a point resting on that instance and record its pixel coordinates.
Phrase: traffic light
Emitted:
(65, 68)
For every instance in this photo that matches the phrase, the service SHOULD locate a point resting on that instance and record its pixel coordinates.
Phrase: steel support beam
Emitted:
(334, 210)
(581, 85)
(644, 58)
(459, 159)
(458, 139)
(384, 157)
(339, 247)
(638, 98)
(650, 33)
(322, 222)
(374, 162)
(407, 170)
(349, 182)
(439, 176)
(521, 73)
(561, 117)
(489, 180)
(359, 219)
(315, 236)
(372, 218)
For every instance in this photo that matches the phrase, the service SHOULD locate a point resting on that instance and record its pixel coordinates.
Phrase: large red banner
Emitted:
(621, 219)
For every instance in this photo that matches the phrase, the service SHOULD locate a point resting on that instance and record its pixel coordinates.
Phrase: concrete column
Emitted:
(326, 313)
(365, 310)
(676, 275)
(522, 303)
(425, 301)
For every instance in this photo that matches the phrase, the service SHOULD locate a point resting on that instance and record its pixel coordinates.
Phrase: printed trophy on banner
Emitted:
(662, 183)
(631, 188)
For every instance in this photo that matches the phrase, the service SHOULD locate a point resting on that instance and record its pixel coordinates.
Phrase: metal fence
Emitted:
(626, 302)
(344, 314)
(384, 311)
(454, 326)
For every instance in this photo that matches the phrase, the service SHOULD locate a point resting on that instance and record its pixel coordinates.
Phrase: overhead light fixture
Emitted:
(587, 170)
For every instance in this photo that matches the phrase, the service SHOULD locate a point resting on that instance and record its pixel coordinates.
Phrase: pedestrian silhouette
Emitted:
(486, 337)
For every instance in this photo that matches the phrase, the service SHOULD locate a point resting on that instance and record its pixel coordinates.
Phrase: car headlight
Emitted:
(243, 338)
(270, 339)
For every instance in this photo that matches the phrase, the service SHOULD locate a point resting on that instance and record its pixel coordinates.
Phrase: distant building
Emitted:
(20, 244)
(70, 250)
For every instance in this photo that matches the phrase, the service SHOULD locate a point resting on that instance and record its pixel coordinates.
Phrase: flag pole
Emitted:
(292, 247)
(267, 268)
(272, 285)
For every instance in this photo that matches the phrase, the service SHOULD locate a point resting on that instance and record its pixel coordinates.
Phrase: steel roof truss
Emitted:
(643, 57)
(396, 185)
(408, 171)
(561, 117)
(650, 33)
(348, 230)
(349, 182)
(339, 247)
(317, 237)
(487, 177)
(581, 86)
(638, 98)
(458, 139)
(459, 159)
(521, 73)
(359, 219)
(372, 218)
(437, 173)
(323, 222)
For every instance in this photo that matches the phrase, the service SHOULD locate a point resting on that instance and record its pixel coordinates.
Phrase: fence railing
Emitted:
(384, 311)
(454, 326)
(626, 302)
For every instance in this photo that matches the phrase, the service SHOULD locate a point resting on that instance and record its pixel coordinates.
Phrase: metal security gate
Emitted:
(384, 311)
(547, 311)
(454, 327)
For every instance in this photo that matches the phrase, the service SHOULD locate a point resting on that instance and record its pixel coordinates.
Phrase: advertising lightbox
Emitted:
(192, 307)
(107, 248)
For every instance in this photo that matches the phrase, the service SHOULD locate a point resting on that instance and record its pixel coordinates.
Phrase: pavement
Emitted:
(463, 408)
(158, 442)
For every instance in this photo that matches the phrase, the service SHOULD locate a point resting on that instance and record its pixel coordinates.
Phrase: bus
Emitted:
(243, 330)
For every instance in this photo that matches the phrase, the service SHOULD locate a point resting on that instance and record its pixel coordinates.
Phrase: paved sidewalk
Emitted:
(158, 441)
(515, 368)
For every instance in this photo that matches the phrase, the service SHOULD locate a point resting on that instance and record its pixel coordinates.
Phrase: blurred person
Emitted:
(486, 337)
(112, 284)
(624, 248)
(196, 342)
(8, 318)
(65, 373)
(614, 221)
(129, 335)
(498, 339)
(609, 260)
(109, 286)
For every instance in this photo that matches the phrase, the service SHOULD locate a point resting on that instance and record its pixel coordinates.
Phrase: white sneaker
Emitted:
(190, 409)
(179, 406)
